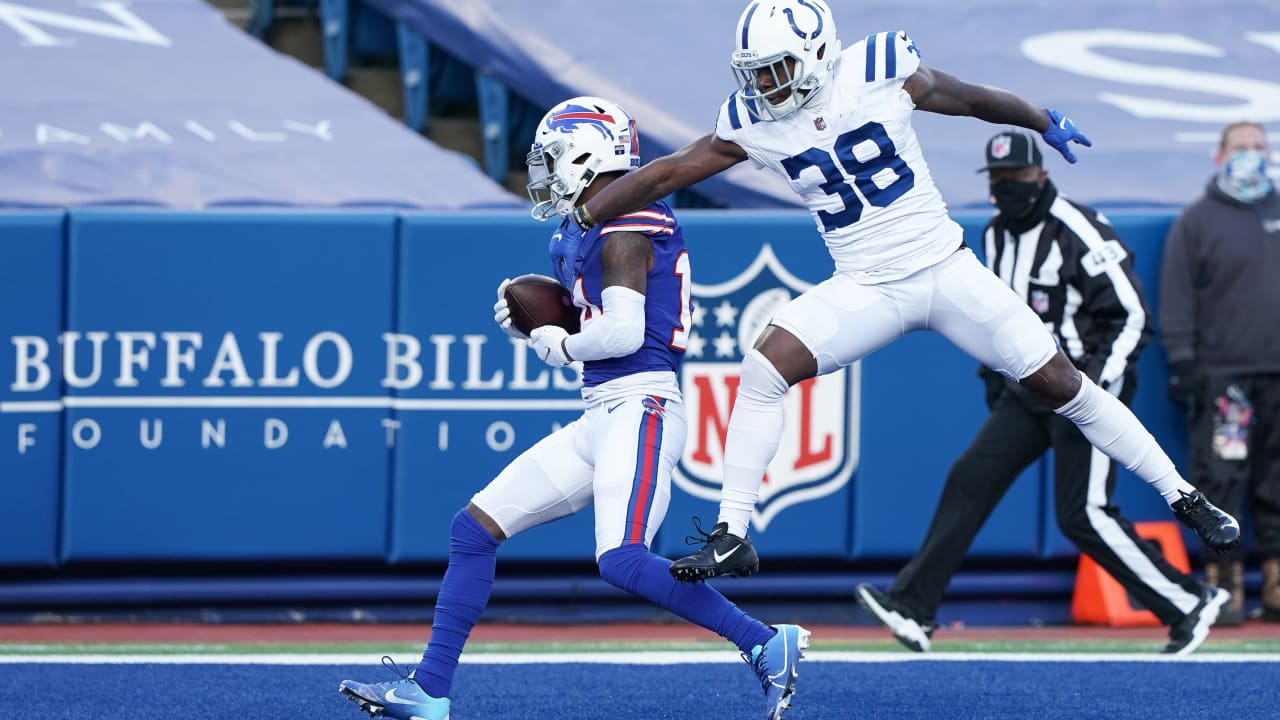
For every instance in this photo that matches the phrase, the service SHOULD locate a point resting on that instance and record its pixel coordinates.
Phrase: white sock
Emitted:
(1115, 430)
(755, 429)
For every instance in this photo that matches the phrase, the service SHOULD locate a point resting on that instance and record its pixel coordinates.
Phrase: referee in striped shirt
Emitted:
(1066, 261)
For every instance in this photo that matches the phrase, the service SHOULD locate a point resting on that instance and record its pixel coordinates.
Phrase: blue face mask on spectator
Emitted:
(1244, 176)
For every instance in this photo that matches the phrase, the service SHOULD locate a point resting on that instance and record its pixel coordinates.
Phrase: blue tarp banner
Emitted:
(1152, 82)
(164, 103)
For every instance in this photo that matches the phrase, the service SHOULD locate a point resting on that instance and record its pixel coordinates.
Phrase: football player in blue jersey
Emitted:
(836, 124)
(630, 277)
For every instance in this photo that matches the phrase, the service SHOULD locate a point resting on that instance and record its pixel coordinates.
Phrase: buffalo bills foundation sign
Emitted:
(818, 453)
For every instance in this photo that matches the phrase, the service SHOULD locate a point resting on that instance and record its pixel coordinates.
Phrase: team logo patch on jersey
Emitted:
(1040, 301)
(820, 124)
(818, 453)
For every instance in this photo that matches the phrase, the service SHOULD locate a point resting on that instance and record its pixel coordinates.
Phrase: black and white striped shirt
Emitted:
(1076, 274)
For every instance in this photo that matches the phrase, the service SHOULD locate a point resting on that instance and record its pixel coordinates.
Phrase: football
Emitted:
(537, 300)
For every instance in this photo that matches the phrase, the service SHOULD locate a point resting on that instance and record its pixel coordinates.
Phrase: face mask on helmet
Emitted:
(575, 143)
(1244, 176)
(786, 50)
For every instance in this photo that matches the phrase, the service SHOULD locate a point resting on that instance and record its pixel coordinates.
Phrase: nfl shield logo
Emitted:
(818, 452)
(1001, 145)
(1040, 301)
(820, 123)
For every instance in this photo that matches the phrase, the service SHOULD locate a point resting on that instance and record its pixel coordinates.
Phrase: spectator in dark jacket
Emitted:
(1219, 295)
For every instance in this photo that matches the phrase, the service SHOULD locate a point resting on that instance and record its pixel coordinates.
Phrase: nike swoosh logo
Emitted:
(721, 558)
(391, 697)
(1063, 124)
(615, 407)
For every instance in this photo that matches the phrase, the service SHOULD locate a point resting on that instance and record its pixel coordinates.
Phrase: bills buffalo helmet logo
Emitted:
(571, 117)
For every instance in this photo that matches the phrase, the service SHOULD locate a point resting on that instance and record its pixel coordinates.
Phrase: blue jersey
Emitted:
(667, 309)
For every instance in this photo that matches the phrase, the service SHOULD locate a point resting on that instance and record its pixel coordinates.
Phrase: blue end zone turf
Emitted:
(828, 690)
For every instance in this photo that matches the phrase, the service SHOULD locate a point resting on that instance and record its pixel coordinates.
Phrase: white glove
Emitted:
(502, 313)
(547, 342)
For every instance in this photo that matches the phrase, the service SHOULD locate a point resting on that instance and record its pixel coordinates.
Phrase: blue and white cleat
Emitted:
(775, 664)
(402, 699)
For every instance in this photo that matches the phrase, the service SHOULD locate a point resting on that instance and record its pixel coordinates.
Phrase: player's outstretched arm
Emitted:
(937, 92)
(692, 163)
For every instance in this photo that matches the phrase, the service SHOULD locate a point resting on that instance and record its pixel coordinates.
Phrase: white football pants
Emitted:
(842, 321)
(619, 453)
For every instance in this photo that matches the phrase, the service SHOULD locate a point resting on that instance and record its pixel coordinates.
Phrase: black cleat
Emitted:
(1218, 530)
(915, 635)
(1190, 632)
(721, 554)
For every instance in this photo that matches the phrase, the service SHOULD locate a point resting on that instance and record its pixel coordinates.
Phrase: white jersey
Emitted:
(852, 154)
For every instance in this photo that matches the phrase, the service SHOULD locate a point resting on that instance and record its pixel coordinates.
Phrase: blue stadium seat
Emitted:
(334, 16)
(493, 96)
(430, 78)
(415, 75)
(354, 28)
(262, 14)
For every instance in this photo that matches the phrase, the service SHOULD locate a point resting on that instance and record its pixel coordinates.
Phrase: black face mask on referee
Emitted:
(1015, 199)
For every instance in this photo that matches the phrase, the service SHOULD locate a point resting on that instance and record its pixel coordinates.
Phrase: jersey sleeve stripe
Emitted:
(871, 57)
(733, 111)
(1130, 336)
(735, 118)
(646, 229)
(891, 54)
(645, 215)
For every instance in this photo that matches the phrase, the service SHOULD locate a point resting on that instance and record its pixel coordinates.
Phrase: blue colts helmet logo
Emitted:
(791, 18)
(572, 117)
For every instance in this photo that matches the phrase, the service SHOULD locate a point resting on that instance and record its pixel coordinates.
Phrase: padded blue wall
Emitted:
(31, 303)
(400, 397)
(213, 486)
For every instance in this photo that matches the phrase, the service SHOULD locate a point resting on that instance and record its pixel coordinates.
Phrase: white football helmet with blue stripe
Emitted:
(791, 42)
(577, 141)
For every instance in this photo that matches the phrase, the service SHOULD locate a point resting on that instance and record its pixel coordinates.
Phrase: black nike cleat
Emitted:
(1218, 530)
(721, 554)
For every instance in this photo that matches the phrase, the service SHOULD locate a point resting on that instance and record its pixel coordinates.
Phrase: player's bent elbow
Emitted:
(627, 340)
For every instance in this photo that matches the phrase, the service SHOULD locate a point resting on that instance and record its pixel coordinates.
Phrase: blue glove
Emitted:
(565, 249)
(1062, 131)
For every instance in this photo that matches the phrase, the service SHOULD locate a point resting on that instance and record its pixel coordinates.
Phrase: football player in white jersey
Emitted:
(836, 123)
